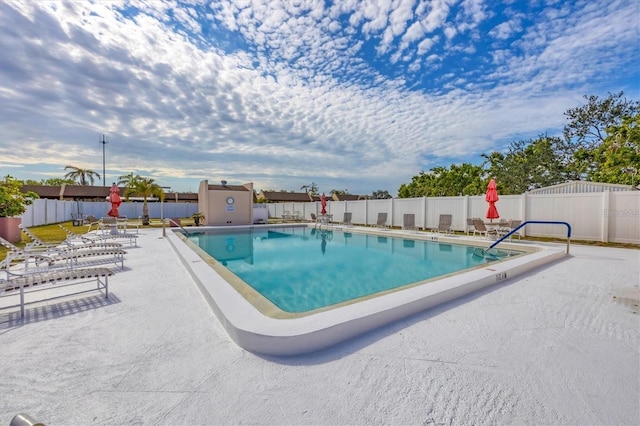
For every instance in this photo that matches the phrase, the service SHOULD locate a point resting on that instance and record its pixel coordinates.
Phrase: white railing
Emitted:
(604, 216)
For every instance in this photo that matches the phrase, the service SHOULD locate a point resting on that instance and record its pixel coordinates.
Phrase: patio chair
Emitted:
(16, 254)
(315, 218)
(481, 229)
(508, 227)
(444, 224)
(68, 243)
(35, 241)
(108, 225)
(346, 220)
(109, 229)
(513, 224)
(33, 283)
(91, 240)
(409, 222)
(43, 259)
(470, 227)
(123, 223)
(382, 220)
(78, 219)
(92, 221)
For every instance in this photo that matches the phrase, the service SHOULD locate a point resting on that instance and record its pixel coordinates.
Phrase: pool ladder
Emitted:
(177, 224)
(486, 253)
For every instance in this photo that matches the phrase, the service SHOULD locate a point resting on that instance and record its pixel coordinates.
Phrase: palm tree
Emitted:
(128, 180)
(83, 176)
(310, 189)
(145, 188)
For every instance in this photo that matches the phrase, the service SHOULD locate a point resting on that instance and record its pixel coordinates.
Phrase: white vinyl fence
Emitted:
(604, 216)
(43, 212)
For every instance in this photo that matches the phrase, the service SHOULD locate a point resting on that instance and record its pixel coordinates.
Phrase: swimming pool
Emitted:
(258, 325)
(301, 269)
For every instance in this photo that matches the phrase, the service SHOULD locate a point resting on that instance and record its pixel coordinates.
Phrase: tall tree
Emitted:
(380, 194)
(617, 159)
(526, 165)
(311, 189)
(587, 129)
(82, 176)
(339, 191)
(464, 179)
(144, 187)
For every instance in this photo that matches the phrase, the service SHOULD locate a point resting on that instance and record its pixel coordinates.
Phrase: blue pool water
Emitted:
(300, 269)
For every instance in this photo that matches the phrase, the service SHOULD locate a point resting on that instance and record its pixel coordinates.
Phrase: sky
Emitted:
(347, 95)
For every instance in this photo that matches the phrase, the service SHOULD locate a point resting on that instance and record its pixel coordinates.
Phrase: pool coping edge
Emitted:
(256, 332)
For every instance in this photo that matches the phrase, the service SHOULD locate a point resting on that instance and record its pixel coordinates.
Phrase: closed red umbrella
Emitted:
(323, 203)
(114, 199)
(491, 197)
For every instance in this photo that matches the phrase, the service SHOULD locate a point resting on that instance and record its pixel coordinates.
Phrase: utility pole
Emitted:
(104, 141)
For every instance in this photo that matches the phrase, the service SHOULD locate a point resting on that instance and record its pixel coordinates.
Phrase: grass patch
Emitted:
(53, 234)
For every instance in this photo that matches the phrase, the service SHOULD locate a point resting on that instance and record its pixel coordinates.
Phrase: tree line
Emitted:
(600, 143)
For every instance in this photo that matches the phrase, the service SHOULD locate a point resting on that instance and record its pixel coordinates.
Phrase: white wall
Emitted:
(605, 216)
(43, 212)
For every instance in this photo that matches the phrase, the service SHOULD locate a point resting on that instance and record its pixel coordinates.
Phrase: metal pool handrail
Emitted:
(178, 224)
(543, 222)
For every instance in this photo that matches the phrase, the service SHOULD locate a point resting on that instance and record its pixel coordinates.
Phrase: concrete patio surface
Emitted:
(559, 345)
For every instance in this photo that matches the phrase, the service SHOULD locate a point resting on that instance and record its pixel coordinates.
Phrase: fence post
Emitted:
(465, 211)
(424, 213)
(366, 212)
(604, 217)
(391, 209)
(523, 213)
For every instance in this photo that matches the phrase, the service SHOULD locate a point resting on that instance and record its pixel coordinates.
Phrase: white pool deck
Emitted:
(556, 345)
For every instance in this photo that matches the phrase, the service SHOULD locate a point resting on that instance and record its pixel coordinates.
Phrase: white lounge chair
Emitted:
(109, 230)
(89, 240)
(481, 229)
(409, 222)
(470, 227)
(34, 282)
(48, 258)
(346, 220)
(444, 224)
(382, 220)
(509, 226)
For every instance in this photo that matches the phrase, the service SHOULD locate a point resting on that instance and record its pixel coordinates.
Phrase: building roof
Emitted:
(286, 197)
(51, 192)
(348, 197)
(227, 188)
(184, 197)
(84, 192)
(580, 186)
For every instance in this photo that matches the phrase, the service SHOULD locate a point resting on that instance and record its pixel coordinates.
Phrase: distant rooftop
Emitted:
(581, 186)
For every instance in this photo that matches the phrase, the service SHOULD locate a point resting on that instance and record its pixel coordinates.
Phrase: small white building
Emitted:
(226, 204)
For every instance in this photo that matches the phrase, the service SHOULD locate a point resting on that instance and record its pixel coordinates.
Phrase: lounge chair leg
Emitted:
(22, 301)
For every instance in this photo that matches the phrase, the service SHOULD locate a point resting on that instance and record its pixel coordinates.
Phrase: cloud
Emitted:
(283, 94)
(505, 30)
